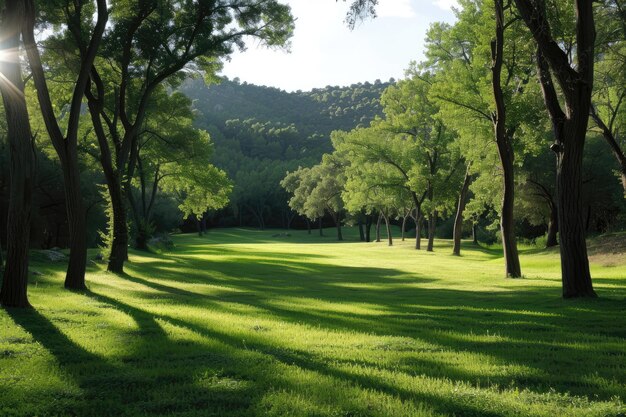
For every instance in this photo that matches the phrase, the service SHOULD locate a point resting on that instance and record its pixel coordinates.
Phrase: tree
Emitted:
(364, 148)
(299, 184)
(170, 149)
(360, 10)
(575, 82)
(201, 187)
(480, 76)
(411, 114)
(317, 190)
(157, 42)
(374, 188)
(15, 279)
(77, 17)
(457, 233)
(537, 193)
(505, 147)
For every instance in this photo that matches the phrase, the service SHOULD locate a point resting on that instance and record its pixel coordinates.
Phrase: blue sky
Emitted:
(325, 52)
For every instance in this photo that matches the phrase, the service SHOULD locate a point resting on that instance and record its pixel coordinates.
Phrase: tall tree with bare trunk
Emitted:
(15, 279)
(77, 16)
(569, 122)
(154, 43)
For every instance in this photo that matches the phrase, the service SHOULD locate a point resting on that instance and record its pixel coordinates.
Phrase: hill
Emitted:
(260, 133)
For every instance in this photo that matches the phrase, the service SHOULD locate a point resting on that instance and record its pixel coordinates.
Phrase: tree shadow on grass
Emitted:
(157, 370)
(147, 381)
(559, 342)
(309, 362)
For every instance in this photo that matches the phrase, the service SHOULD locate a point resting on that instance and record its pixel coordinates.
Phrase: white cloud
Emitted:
(446, 4)
(395, 8)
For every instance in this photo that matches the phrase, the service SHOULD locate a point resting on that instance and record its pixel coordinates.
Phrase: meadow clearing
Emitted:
(240, 323)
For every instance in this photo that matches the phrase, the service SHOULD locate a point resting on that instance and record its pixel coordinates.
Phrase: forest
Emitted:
(177, 241)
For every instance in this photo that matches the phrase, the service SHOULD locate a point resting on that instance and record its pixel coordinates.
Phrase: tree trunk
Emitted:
(418, 229)
(15, 280)
(403, 227)
(507, 224)
(290, 217)
(141, 240)
(378, 227)
(203, 223)
(474, 234)
(368, 227)
(432, 224)
(139, 217)
(361, 231)
(505, 150)
(308, 225)
(460, 208)
(66, 146)
(261, 220)
(337, 218)
(624, 178)
(388, 227)
(576, 276)
(198, 226)
(321, 228)
(259, 217)
(570, 128)
(553, 227)
(75, 276)
(119, 246)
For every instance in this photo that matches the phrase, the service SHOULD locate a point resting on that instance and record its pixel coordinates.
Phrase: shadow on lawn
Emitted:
(148, 380)
(558, 344)
(558, 341)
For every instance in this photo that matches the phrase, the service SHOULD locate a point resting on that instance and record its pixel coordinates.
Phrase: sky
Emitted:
(324, 51)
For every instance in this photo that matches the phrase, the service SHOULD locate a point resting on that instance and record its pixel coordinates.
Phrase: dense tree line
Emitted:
(501, 103)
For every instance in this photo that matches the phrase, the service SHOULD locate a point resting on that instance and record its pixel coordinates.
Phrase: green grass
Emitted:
(242, 324)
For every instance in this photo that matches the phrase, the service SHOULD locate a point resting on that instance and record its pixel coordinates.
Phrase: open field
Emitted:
(239, 323)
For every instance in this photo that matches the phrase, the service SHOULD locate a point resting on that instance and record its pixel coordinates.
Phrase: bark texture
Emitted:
(570, 128)
(21, 170)
(512, 265)
(66, 144)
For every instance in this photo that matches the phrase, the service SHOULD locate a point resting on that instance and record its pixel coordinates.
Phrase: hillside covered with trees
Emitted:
(260, 133)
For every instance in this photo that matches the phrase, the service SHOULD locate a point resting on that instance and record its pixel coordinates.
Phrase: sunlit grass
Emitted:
(239, 323)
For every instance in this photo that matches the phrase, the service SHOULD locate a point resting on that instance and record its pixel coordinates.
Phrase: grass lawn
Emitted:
(239, 323)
